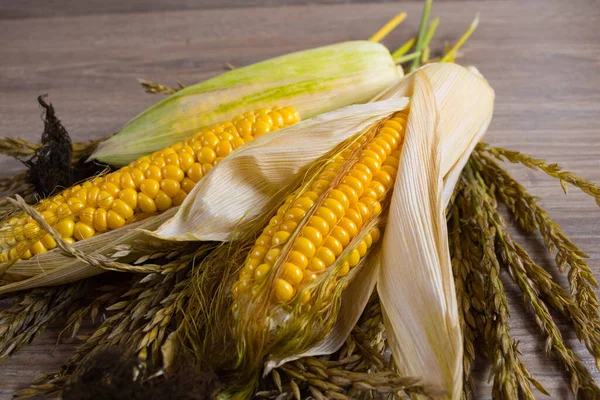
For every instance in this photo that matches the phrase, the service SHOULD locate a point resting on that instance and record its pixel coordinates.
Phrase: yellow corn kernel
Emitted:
(349, 192)
(127, 181)
(138, 176)
(26, 255)
(284, 291)
(114, 220)
(264, 241)
(122, 208)
(179, 198)
(65, 227)
(237, 142)
(280, 238)
(305, 297)
(172, 158)
(327, 255)
(261, 272)
(170, 187)
(163, 201)
(206, 168)
(292, 273)
(305, 246)
(344, 269)
(18, 233)
(313, 234)
(208, 140)
(100, 220)
(130, 197)
(48, 241)
(272, 255)
(334, 245)
(354, 216)
(327, 214)
(195, 172)
(224, 148)
(186, 184)
(354, 258)
(31, 230)
(298, 259)
(92, 196)
(105, 199)
(157, 161)
(38, 248)
(362, 248)
(173, 172)
(319, 223)
(150, 187)
(239, 287)
(207, 155)
(258, 252)
(244, 127)
(87, 215)
(186, 159)
(334, 206)
(49, 217)
(110, 188)
(288, 226)
(316, 265)
(340, 235)
(83, 231)
(75, 205)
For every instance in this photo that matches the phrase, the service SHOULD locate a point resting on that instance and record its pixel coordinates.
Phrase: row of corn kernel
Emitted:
(335, 220)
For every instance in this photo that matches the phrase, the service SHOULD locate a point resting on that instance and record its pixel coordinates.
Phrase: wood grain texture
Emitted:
(541, 56)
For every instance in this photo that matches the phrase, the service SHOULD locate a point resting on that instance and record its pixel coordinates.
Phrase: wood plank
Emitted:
(37, 9)
(541, 57)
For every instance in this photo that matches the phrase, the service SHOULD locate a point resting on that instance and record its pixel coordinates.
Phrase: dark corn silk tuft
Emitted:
(50, 166)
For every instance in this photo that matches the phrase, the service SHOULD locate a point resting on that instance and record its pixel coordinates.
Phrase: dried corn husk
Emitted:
(451, 109)
(312, 81)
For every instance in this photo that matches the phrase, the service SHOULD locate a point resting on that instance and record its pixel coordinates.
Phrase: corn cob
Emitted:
(312, 81)
(147, 186)
(319, 224)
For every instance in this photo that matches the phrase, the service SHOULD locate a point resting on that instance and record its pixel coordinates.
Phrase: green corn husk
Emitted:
(312, 81)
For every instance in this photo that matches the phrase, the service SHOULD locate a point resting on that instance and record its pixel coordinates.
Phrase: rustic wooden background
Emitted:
(542, 57)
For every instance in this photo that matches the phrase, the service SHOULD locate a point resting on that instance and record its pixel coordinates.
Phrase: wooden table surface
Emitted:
(542, 57)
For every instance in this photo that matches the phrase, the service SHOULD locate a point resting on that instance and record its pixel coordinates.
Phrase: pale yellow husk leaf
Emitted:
(451, 109)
